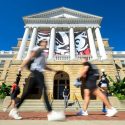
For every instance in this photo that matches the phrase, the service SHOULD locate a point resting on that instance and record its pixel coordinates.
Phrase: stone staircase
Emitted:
(38, 105)
(12, 72)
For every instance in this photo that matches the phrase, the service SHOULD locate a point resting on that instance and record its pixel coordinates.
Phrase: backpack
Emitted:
(93, 72)
(17, 90)
(38, 53)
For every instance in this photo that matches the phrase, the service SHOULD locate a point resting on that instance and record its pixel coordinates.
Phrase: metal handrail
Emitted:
(76, 100)
(50, 95)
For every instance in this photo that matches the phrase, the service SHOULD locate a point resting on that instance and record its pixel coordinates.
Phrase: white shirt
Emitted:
(39, 62)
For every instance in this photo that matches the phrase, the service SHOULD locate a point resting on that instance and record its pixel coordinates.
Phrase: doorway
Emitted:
(61, 80)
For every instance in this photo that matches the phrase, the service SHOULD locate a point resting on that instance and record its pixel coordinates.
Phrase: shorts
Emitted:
(13, 96)
(90, 84)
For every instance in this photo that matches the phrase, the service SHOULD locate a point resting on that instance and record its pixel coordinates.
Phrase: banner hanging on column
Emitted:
(62, 42)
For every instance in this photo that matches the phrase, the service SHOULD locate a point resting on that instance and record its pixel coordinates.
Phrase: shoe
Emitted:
(81, 112)
(4, 109)
(56, 116)
(111, 112)
(104, 110)
(14, 114)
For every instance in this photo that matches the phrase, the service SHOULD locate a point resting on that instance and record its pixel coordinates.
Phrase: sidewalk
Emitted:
(70, 116)
(44, 122)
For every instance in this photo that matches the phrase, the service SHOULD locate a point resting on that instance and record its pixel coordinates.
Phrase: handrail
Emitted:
(76, 100)
(50, 95)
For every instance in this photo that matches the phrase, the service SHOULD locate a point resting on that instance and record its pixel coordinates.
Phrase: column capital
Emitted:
(27, 27)
(35, 27)
(53, 27)
(98, 27)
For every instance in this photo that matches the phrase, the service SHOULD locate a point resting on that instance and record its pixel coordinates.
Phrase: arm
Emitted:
(50, 69)
(25, 62)
(83, 71)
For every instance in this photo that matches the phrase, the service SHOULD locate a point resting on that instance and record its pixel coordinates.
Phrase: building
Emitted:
(72, 35)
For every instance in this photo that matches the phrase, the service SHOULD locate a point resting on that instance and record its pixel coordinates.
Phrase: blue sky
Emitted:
(12, 11)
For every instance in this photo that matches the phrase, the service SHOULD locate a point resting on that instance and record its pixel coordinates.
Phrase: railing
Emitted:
(7, 52)
(80, 57)
(61, 57)
(67, 57)
(50, 96)
(76, 100)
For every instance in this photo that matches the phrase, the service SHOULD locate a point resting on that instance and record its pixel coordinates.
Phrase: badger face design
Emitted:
(62, 43)
(81, 43)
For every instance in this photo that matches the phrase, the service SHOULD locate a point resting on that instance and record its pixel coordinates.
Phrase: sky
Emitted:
(112, 11)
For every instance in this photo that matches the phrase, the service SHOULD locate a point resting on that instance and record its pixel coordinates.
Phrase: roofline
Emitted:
(55, 9)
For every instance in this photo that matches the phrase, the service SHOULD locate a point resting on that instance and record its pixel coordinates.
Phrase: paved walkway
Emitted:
(70, 116)
(76, 122)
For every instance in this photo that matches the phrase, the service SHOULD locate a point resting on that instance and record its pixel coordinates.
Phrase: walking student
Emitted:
(103, 86)
(15, 90)
(90, 73)
(37, 65)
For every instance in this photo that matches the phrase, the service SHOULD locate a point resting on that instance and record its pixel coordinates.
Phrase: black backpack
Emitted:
(17, 90)
(93, 72)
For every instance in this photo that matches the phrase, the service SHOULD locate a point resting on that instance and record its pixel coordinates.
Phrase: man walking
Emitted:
(37, 65)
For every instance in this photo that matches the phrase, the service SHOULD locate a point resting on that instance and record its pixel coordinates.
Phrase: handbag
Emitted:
(77, 83)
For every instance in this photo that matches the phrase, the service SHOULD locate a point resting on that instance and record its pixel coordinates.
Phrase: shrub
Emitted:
(4, 91)
(117, 88)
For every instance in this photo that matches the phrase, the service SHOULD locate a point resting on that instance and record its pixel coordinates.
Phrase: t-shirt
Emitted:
(66, 92)
(103, 83)
(93, 72)
(39, 62)
(14, 86)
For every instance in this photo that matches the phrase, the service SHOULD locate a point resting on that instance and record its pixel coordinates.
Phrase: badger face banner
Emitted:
(62, 42)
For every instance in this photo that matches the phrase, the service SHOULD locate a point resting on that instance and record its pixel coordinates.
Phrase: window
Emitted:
(123, 63)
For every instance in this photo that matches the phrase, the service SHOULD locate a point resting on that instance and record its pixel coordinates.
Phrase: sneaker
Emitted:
(14, 114)
(111, 112)
(4, 109)
(104, 110)
(56, 116)
(81, 112)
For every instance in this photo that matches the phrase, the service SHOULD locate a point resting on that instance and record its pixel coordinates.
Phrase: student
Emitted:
(15, 90)
(90, 74)
(103, 86)
(37, 65)
(65, 96)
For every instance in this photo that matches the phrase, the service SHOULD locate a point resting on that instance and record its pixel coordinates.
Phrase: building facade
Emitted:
(71, 35)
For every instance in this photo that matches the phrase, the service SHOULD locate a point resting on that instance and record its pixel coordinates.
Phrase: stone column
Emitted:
(100, 44)
(92, 44)
(72, 44)
(32, 41)
(51, 44)
(23, 44)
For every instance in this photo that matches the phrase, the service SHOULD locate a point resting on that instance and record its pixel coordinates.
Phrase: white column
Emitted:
(23, 44)
(32, 41)
(51, 44)
(92, 43)
(100, 44)
(72, 43)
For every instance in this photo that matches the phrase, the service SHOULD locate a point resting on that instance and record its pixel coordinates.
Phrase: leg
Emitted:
(26, 93)
(66, 101)
(86, 99)
(104, 107)
(9, 104)
(13, 103)
(98, 93)
(40, 81)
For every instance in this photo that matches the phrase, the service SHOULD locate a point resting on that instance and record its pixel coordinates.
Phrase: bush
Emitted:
(4, 91)
(117, 88)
